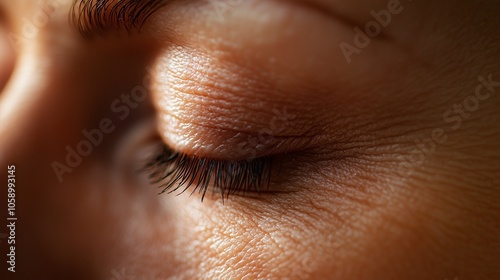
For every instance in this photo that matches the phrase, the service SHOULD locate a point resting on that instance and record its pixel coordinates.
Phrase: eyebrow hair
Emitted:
(91, 17)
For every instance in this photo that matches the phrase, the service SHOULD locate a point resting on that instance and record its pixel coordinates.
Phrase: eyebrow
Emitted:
(91, 17)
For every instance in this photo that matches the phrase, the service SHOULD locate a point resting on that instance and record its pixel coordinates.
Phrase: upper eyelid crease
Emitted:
(91, 17)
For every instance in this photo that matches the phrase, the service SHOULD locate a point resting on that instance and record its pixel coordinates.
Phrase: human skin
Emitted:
(356, 197)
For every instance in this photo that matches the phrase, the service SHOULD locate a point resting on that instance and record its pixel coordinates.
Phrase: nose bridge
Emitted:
(6, 56)
(60, 89)
(30, 107)
(65, 91)
(41, 111)
(35, 108)
(24, 110)
(63, 85)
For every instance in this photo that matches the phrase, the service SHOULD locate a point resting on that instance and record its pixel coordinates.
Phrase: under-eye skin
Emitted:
(177, 172)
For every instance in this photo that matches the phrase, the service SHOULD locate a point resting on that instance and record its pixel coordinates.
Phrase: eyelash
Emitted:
(98, 16)
(176, 171)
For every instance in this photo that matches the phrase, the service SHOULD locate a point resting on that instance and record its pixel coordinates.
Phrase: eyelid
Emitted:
(209, 109)
(215, 139)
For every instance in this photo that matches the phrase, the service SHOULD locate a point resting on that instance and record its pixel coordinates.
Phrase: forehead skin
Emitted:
(368, 215)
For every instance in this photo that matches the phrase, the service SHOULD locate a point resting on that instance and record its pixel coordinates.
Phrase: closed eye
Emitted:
(177, 172)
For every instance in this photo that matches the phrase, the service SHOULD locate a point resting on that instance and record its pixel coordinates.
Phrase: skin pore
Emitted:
(388, 164)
